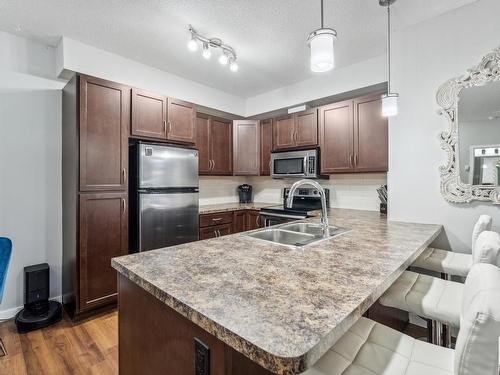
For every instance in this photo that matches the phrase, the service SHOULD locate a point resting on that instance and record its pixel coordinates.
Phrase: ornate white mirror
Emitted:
(472, 105)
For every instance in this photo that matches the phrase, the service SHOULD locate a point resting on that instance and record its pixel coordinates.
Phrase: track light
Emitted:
(192, 45)
(206, 51)
(233, 66)
(228, 55)
(223, 59)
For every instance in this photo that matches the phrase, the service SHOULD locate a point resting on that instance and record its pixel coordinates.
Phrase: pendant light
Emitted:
(389, 100)
(321, 42)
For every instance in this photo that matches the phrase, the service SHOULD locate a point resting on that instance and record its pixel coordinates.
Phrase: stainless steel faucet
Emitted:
(324, 210)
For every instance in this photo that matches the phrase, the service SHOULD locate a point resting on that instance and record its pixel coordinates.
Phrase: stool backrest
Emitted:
(5, 254)
(476, 350)
(487, 249)
(482, 224)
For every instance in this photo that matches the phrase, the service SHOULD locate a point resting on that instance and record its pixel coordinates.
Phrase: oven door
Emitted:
(295, 164)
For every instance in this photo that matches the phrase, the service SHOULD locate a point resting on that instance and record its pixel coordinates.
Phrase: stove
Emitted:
(305, 200)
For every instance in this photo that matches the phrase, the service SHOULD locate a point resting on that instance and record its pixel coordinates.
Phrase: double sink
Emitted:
(297, 234)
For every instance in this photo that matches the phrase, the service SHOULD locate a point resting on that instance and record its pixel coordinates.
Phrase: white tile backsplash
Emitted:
(220, 189)
(355, 191)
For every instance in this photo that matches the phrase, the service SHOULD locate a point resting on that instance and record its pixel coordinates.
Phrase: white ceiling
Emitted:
(268, 35)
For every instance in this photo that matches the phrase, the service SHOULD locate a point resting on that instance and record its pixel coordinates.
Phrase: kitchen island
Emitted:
(253, 307)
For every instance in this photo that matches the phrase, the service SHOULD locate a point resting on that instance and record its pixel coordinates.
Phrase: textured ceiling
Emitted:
(268, 35)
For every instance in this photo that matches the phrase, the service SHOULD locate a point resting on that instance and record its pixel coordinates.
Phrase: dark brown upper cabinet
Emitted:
(299, 130)
(266, 146)
(103, 235)
(104, 122)
(246, 147)
(284, 132)
(202, 143)
(371, 135)
(353, 136)
(214, 142)
(337, 137)
(158, 117)
(181, 121)
(149, 115)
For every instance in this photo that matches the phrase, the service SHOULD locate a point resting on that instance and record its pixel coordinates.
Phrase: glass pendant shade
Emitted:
(192, 45)
(322, 44)
(390, 105)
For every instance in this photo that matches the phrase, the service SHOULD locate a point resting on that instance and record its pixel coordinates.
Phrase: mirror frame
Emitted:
(453, 189)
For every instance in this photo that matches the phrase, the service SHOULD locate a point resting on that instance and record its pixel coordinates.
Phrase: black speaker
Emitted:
(38, 311)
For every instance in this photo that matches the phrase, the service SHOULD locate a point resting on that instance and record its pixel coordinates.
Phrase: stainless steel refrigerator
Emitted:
(163, 196)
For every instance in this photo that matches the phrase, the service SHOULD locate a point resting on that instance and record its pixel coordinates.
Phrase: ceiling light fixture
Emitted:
(389, 100)
(322, 42)
(206, 51)
(228, 55)
(193, 45)
(223, 59)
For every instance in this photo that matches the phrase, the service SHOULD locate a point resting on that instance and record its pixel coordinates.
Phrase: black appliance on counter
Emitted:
(305, 200)
(245, 193)
(38, 311)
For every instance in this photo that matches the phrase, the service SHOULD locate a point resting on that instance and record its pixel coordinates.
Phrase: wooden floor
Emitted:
(88, 347)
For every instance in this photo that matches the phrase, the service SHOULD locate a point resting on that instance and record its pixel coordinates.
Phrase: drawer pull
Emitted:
(217, 219)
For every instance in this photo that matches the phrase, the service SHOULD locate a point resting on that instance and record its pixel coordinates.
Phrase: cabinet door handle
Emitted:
(124, 207)
(356, 160)
(257, 221)
(169, 127)
(165, 126)
(215, 233)
(350, 160)
(213, 164)
(124, 175)
(218, 231)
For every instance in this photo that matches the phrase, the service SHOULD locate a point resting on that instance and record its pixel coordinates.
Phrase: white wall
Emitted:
(355, 191)
(79, 57)
(30, 187)
(425, 56)
(366, 73)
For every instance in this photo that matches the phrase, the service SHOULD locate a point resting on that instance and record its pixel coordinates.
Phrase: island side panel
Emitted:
(155, 339)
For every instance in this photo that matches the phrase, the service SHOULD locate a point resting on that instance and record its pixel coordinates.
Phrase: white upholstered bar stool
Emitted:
(436, 299)
(370, 348)
(451, 263)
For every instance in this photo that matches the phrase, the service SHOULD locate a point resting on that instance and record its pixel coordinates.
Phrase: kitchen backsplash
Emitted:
(355, 191)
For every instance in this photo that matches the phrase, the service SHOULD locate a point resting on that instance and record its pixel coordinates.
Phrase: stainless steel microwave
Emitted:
(295, 164)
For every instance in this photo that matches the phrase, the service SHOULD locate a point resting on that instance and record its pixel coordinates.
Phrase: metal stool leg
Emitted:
(447, 336)
(437, 333)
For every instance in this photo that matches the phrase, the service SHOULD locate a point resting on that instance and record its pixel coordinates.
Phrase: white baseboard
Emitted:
(11, 313)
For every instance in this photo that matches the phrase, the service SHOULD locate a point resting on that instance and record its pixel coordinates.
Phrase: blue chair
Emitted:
(5, 253)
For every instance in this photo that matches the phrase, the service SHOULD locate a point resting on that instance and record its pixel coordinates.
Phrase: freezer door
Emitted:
(167, 219)
(167, 167)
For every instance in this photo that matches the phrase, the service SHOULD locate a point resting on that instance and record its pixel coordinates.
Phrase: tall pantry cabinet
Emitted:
(96, 122)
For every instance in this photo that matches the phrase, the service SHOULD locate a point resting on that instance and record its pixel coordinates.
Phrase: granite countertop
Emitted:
(281, 307)
(223, 207)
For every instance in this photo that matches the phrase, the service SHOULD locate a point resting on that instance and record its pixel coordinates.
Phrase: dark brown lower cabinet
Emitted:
(215, 231)
(239, 221)
(252, 220)
(103, 235)
(155, 339)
